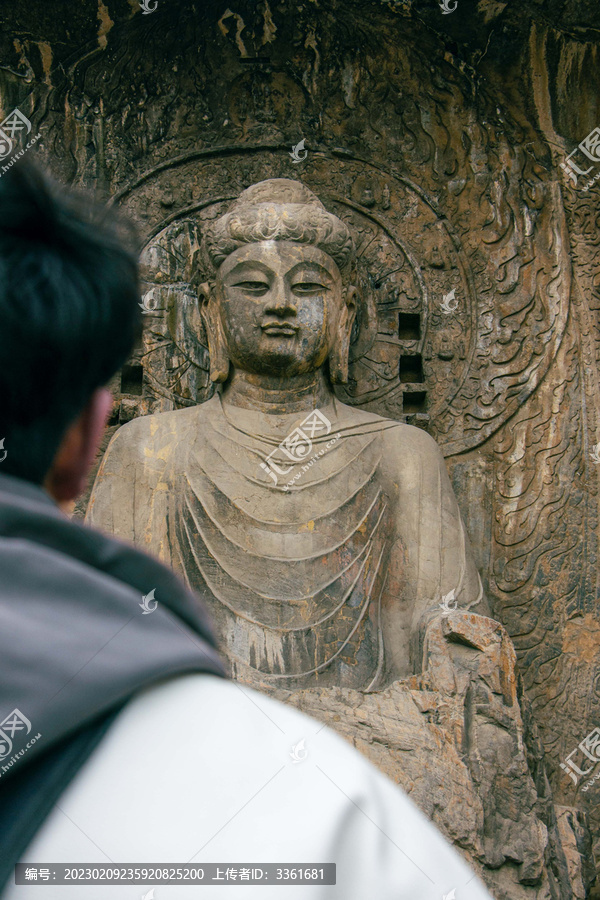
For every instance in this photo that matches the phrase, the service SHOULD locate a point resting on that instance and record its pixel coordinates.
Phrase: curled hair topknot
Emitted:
(278, 209)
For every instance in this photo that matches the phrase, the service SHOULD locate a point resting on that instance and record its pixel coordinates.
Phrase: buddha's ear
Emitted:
(209, 310)
(339, 356)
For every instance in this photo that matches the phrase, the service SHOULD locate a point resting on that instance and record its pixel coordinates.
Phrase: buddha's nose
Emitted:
(280, 301)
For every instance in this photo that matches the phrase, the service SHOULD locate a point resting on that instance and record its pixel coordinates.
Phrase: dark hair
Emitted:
(68, 312)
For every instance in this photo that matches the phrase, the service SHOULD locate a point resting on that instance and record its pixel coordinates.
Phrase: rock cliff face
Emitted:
(456, 740)
(462, 140)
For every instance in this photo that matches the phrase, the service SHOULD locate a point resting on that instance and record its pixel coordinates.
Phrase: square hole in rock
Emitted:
(132, 380)
(409, 327)
(414, 402)
(411, 369)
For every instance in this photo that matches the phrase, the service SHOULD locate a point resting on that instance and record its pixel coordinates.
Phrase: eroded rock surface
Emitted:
(455, 740)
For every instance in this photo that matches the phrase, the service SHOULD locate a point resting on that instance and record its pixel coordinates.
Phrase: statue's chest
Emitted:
(294, 578)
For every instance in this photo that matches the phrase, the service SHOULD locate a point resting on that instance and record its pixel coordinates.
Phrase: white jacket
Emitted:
(199, 769)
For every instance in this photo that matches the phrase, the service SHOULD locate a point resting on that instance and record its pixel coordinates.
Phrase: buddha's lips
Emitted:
(277, 328)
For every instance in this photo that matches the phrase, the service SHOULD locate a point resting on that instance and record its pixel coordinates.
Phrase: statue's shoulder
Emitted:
(153, 435)
(407, 439)
(398, 437)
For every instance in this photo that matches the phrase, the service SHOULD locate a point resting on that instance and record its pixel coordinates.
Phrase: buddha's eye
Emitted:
(308, 287)
(253, 287)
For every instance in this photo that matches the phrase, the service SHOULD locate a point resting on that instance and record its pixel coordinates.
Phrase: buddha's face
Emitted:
(280, 305)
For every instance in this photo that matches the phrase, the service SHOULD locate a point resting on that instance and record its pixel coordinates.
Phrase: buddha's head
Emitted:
(280, 300)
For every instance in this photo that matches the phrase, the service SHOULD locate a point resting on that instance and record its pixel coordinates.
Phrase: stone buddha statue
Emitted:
(323, 537)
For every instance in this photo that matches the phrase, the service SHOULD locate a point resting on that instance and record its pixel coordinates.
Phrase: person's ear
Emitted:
(209, 310)
(339, 356)
(67, 476)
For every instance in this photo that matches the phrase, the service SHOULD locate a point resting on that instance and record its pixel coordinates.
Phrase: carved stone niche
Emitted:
(416, 327)
(439, 139)
(442, 712)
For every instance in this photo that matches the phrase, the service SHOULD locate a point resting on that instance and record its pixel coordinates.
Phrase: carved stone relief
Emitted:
(478, 266)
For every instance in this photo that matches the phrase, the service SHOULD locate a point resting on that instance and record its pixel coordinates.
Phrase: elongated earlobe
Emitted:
(219, 359)
(338, 358)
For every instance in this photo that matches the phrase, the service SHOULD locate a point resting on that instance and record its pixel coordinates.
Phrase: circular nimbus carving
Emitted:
(437, 339)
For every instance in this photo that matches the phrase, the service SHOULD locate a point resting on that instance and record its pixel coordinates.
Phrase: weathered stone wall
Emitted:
(440, 138)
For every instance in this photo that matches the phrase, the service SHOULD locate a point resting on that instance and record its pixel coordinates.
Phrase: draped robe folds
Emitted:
(318, 574)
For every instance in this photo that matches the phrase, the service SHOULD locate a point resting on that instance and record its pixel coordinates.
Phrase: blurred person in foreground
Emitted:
(121, 740)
